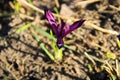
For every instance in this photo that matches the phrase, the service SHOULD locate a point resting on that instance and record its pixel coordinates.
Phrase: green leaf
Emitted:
(53, 44)
(23, 28)
(90, 67)
(112, 77)
(30, 2)
(58, 54)
(43, 47)
(47, 52)
(5, 78)
(56, 10)
(111, 55)
(44, 33)
(118, 43)
(36, 37)
(17, 6)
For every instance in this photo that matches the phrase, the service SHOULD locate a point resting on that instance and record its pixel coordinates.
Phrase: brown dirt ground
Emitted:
(22, 59)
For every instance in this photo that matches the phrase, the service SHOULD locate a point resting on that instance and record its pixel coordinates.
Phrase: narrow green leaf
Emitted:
(113, 77)
(36, 37)
(118, 43)
(43, 48)
(17, 6)
(47, 52)
(5, 78)
(59, 54)
(56, 10)
(30, 2)
(44, 33)
(111, 55)
(90, 67)
(23, 28)
(53, 44)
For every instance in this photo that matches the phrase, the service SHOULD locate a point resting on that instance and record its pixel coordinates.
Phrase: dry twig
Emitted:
(115, 8)
(57, 3)
(83, 4)
(101, 29)
(92, 60)
(117, 68)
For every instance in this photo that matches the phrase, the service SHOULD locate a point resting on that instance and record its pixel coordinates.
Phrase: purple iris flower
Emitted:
(62, 29)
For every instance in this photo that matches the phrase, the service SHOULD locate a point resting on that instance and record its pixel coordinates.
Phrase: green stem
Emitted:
(47, 52)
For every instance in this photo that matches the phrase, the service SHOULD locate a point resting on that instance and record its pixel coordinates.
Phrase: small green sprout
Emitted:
(111, 55)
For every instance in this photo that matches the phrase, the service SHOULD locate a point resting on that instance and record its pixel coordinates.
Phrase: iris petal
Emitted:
(74, 26)
(60, 28)
(51, 20)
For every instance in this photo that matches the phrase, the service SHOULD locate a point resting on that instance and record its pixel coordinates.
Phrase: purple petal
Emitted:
(74, 26)
(51, 20)
(60, 28)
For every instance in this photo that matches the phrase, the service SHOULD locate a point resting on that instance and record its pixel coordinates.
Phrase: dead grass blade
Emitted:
(57, 3)
(83, 4)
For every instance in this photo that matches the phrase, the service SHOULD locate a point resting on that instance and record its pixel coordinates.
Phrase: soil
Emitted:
(21, 58)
